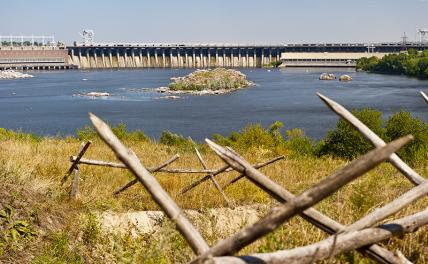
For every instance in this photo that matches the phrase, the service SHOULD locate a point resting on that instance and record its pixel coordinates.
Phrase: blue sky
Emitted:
(217, 21)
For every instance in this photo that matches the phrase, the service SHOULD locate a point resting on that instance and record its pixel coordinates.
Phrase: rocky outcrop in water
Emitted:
(207, 82)
(327, 77)
(345, 78)
(10, 74)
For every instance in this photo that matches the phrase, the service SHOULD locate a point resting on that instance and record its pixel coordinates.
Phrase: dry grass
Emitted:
(31, 171)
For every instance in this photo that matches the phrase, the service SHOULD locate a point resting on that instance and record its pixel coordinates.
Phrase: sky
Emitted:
(217, 21)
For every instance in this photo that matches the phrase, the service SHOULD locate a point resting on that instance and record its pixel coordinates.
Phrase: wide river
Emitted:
(48, 105)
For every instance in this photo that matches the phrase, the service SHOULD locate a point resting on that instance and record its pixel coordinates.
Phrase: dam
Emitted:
(105, 56)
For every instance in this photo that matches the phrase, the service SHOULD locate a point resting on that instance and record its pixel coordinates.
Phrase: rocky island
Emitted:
(206, 82)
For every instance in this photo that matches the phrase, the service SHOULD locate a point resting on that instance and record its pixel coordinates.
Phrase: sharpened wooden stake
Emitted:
(282, 195)
(405, 169)
(76, 177)
(424, 96)
(217, 186)
(134, 181)
(74, 163)
(159, 195)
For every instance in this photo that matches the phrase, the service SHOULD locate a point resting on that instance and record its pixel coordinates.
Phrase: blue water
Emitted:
(47, 104)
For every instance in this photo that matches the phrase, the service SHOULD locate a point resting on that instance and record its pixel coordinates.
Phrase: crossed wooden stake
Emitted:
(361, 235)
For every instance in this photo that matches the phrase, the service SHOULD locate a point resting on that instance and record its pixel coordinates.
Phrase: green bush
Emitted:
(254, 136)
(298, 143)
(175, 140)
(401, 124)
(345, 141)
(6, 134)
(89, 133)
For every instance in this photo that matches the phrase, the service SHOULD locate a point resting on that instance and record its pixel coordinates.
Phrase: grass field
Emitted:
(53, 229)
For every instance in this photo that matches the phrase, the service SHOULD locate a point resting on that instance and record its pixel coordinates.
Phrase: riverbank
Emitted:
(412, 63)
(59, 230)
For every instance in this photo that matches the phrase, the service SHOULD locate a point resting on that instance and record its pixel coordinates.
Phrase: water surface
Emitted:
(47, 104)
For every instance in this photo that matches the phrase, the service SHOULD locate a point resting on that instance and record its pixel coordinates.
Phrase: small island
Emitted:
(206, 82)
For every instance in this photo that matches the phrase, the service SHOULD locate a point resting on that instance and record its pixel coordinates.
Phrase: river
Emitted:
(47, 104)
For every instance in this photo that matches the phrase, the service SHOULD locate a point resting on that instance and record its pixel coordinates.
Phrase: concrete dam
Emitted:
(103, 56)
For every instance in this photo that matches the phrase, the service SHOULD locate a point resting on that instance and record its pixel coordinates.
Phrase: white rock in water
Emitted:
(345, 78)
(97, 94)
(10, 74)
(327, 76)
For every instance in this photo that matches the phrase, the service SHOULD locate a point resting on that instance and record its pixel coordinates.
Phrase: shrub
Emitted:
(401, 124)
(89, 133)
(254, 136)
(345, 141)
(175, 140)
(298, 143)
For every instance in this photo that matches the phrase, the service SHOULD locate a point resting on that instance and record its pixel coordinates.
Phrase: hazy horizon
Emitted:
(220, 21)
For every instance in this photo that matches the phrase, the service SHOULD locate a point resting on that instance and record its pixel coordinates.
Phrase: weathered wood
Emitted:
(76, 177)
(122, 166)
(336, 244)
(217, 186)
(156, 169)
(74, 163)
(424, 96)
(407, 171)
(225, 168)
(99, 163)
(318, 192)
(256, 166)
(159, 195)
(321, 221)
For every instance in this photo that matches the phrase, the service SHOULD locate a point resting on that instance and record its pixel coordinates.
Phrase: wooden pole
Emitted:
(424, 96)
(336, 244)
(158, 168)
(405, 169)
(225, 168)
(76, 178)
(123, 166)
(282, 195)
(79, 156)
(308, 198)
(256, 166)
(159, 195)
(217, 186)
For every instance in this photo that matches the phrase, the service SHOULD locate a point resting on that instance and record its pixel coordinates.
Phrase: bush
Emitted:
(298, 143)
(254, 136)
(89, 133)
(401, 124)
(345, 141)
(6, 134)
(175, 140)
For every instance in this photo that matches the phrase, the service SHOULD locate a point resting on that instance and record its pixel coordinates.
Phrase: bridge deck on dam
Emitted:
(209, 55)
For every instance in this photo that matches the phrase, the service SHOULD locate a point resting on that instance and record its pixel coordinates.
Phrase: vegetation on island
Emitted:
(39, 224)
(411, 63)
(215, 79)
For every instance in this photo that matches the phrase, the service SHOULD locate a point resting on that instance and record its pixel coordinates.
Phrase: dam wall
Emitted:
(171, 57)
(106, 56)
